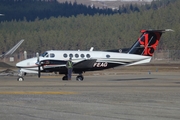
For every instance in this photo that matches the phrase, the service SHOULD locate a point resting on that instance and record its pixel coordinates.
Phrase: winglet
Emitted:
(91, 49)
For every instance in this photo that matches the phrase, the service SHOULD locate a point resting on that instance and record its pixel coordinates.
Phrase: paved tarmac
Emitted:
(143, 96)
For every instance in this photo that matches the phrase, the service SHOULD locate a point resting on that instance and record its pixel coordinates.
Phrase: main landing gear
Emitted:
(65, 77)
(78, 78)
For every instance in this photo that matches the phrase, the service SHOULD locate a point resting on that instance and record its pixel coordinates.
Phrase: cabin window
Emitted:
(88, 55)
(107, 56)
(76, 55)
(82, 55)
(52, 55)
(65, 55)
(70, 55)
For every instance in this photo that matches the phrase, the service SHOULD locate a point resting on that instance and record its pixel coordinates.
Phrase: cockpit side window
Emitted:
(44, 54)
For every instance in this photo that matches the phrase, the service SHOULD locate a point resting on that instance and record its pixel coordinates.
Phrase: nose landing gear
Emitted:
(20, 76)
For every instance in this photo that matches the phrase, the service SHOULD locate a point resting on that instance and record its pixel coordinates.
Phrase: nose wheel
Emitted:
(20, 76)
(20, 79)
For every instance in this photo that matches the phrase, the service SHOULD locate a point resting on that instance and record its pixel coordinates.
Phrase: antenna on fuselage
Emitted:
(91, 49)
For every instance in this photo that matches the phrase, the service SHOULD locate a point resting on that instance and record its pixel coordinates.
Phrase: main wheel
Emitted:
(65, 78)
(20, 79)
(79, 78)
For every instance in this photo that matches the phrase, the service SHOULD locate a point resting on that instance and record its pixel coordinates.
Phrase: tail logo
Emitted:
(149, 41)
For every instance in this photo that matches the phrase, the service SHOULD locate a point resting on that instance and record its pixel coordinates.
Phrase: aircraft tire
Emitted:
(20, 79)
(65, 78)
(79, 78)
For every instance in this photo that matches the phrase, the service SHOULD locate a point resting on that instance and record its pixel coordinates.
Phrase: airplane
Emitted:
(55, 60)
(12, 50)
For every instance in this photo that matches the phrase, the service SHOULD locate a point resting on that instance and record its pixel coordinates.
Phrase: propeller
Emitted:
(39, 65)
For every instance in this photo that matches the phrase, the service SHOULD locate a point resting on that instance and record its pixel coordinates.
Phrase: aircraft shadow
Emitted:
(131, 79)
(177, 82)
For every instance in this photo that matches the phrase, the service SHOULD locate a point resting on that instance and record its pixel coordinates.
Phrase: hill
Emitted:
(107, 4)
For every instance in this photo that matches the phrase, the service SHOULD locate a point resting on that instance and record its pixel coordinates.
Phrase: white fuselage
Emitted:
(102, 59)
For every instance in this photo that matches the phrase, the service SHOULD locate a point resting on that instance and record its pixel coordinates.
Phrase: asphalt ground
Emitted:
(133, 96)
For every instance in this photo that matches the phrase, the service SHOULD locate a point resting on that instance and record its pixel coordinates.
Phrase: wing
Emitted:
(12, 50)
(58, 63)
(85, 64)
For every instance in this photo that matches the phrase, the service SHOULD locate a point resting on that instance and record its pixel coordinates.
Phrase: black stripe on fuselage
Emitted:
(63, 70)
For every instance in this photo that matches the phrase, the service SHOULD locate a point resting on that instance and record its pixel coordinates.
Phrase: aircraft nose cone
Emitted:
(19, 64)
(27, 63)
(23, 63)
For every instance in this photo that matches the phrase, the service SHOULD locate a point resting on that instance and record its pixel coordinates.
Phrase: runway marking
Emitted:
(36, 93)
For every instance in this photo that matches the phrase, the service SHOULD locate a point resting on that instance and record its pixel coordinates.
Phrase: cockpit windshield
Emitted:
(44, 54)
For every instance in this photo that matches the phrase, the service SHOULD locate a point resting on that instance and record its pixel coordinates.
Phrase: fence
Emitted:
(166, 56)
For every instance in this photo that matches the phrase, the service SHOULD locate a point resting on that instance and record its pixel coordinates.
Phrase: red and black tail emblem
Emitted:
(147, 42)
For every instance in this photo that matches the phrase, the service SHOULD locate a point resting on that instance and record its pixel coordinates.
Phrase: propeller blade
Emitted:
(39, 65)
(39, 71)
(37, 55)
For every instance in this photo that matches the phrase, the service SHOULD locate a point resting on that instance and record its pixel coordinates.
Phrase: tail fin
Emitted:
(147, 42)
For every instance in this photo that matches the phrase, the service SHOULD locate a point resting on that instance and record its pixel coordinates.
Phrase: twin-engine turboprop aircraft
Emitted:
(12, 50)
(55, 60)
